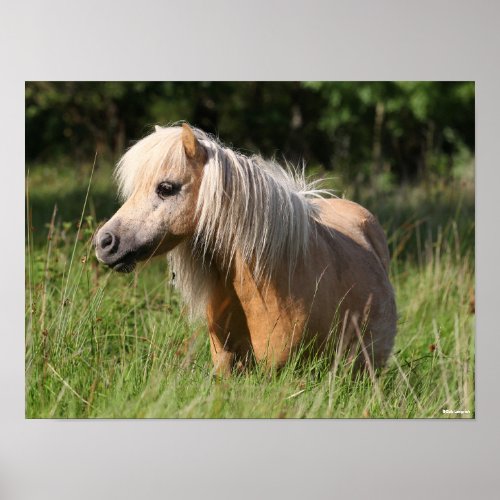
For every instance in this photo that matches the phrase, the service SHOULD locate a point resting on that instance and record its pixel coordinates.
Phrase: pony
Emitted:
(272, 262)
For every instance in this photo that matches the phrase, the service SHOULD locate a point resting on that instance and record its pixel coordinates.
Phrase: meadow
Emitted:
(104, 345)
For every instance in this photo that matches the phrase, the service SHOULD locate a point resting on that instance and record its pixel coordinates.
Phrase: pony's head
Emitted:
(209, 206)
(159, 179)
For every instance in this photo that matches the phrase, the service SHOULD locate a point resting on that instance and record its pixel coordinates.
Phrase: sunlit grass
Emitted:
(100, 344)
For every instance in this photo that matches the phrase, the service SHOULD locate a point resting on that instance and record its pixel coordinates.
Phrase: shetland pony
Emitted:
(270, 262)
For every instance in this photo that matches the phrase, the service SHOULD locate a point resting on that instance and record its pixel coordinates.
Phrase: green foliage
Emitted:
(359, 129)
(401, 127)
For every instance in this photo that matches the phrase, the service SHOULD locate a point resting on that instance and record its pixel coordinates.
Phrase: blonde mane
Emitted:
(246, 206)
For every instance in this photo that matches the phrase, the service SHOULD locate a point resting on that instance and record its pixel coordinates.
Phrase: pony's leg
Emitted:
(230, 344)
(222, 358)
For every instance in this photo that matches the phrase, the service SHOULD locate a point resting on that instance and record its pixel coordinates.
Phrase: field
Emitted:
(104, 345)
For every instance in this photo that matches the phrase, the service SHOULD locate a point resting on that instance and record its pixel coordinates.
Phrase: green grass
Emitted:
(100, 344)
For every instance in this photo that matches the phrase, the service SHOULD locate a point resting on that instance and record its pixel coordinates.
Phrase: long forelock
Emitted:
(141, 166)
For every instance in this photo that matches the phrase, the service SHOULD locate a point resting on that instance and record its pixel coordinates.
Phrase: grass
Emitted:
(104, 345)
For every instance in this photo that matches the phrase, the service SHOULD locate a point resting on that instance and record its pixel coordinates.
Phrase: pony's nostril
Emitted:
(108, 241)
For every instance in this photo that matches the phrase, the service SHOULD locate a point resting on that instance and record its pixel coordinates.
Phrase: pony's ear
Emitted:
(157, 128)
(194, 150)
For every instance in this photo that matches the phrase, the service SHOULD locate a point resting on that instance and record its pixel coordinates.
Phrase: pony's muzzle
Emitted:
(108, 250)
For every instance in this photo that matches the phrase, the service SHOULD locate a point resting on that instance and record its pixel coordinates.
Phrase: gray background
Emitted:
(252, 40)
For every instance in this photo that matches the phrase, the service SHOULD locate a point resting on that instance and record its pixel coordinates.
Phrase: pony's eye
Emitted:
(165, 189)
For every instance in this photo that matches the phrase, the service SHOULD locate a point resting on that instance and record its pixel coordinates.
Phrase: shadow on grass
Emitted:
(50, 187)
(100, 205)
(415, 217)
(412, 215)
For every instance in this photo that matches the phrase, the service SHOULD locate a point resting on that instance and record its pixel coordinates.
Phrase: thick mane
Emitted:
(246, 206)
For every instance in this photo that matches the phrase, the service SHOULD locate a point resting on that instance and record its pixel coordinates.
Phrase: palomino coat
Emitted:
(272, 264)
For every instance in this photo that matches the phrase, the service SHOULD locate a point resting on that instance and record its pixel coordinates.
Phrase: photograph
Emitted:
(250, 249)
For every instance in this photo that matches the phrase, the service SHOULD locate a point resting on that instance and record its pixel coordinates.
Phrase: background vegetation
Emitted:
(404, 128)
(99, 344)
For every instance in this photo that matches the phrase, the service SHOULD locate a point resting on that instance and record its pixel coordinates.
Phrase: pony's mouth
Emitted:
(124, 267)
(123, 260)
(125, 264)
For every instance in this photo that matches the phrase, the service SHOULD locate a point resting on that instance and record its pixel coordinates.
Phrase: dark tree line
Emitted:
(406, 128)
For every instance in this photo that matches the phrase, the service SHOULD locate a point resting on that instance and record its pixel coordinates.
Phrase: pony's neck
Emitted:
(254, 208)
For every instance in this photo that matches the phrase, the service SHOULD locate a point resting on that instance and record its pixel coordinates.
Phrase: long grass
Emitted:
(104, 345)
